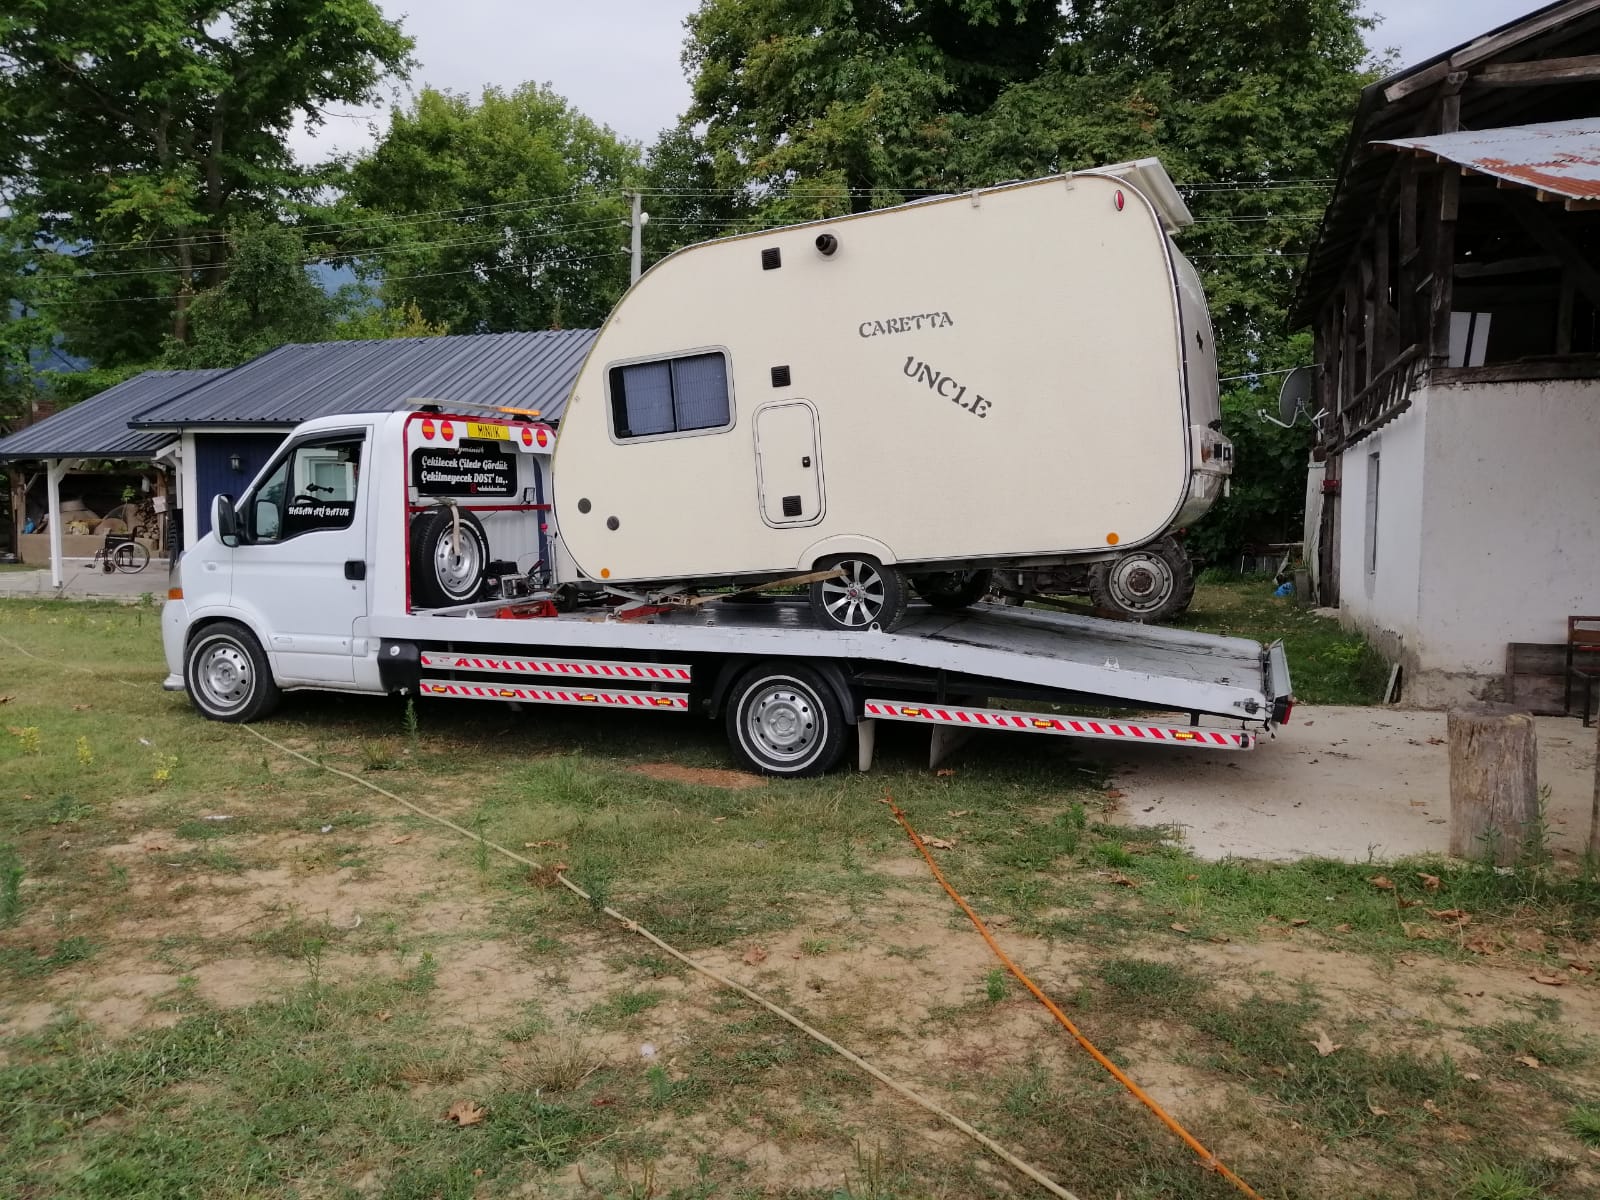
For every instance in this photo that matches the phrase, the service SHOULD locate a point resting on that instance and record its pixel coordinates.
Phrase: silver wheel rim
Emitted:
(457, 573)
(784, 721)
(1141, 583)
(225, 675)
(855, 601)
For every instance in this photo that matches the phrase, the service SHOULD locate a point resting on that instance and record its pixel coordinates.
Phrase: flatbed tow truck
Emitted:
(309, 583)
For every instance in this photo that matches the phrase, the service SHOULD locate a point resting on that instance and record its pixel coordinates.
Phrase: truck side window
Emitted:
(671, 395)
(313, 488)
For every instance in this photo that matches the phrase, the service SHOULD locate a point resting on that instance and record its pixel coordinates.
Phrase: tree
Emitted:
(135, 131)
(265, 300)
(501, 215)
(830, 105)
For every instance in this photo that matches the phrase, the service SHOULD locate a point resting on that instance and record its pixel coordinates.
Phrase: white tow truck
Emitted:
(330, 573)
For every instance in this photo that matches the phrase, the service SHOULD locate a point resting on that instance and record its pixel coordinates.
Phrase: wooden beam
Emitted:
(1543, 230)
(1487, 47)
(1416, 82)
(1538, 72)
(1507, 266)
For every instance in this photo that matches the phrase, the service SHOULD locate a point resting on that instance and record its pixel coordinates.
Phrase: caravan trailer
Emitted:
(1018, 376)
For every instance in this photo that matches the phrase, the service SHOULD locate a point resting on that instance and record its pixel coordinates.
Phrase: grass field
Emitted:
(224, 972)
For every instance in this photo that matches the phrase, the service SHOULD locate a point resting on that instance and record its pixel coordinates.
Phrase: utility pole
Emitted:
(637, 223)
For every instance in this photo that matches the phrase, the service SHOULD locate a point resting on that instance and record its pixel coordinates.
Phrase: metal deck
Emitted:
(1139, 665)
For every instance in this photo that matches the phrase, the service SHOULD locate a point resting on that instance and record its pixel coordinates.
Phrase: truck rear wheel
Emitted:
(1153, 583)
(783, 719)
(444, 573)
(952, 589)
(227, 675)
(868, 595)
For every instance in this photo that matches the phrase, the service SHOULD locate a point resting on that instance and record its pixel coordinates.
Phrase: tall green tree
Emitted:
(135, 131)
(498, 215)
(827, 104)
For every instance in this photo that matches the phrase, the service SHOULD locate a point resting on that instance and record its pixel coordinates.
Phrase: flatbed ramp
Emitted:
(985, 651)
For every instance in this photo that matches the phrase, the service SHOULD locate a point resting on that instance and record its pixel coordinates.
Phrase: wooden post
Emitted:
(1494, 785)
(1594, 815)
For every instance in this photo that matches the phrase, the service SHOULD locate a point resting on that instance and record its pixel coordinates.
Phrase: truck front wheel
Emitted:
(784, 720)
(227, 675)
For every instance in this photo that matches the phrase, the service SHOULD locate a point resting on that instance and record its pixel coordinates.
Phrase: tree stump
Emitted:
(1494, 785)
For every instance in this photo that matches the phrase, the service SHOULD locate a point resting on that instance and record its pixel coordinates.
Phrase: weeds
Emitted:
(11, 876)
(1583, 1123)
(995, 986)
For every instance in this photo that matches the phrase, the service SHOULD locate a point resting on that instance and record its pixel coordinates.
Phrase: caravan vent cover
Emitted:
(771, 259)
(780, 376)
(791, 506)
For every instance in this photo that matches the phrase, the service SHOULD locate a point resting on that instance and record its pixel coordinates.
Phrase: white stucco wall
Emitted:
(1512, 519)
(1384, 602)
(1488, 530)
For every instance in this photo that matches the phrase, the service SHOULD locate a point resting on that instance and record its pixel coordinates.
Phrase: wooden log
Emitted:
(1494, 785)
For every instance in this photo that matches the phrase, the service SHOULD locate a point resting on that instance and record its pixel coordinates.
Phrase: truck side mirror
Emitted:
(225, 520)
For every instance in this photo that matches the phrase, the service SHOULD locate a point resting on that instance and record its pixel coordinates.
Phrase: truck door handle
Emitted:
(354, 568)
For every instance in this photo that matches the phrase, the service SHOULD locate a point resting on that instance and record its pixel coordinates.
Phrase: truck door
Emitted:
(300, 566)
(788, 464)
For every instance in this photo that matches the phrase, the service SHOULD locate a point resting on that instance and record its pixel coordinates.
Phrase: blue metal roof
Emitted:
(98, 427)
(295, 383)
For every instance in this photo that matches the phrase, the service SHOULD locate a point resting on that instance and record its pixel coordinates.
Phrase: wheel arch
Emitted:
(730, 670)
(845, 543)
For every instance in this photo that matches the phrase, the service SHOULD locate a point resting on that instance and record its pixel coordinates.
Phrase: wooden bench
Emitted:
(1583, 661)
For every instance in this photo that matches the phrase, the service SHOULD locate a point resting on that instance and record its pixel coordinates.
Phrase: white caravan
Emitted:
(334, 570)
(1020, 376)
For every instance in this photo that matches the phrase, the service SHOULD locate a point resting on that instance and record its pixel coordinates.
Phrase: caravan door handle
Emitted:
(806, 461)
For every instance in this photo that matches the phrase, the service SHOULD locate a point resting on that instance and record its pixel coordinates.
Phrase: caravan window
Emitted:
(671, 395)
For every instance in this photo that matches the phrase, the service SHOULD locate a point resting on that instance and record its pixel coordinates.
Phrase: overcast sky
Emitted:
(619, 60)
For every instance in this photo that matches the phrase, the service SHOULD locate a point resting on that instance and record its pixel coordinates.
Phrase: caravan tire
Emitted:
(1153, 583)
(443, 575)
(952, 590)
(869, 596)
(227, 675)
(783, 719)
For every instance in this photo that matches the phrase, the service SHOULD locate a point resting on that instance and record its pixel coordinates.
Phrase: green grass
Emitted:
(1328, 665)
(338, 1082)
(1583, 1123)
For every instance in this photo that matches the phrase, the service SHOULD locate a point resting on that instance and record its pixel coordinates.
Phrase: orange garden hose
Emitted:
(1207, 1159)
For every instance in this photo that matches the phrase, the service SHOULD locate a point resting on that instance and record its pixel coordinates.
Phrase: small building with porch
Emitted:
(1454, 291)
(213, 431)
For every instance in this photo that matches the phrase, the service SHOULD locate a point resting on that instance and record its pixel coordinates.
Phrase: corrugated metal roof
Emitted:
(1560, 157)
(98, 427)
(295, 383)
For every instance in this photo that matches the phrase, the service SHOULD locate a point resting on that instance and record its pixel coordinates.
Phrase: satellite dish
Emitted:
(1299, 386)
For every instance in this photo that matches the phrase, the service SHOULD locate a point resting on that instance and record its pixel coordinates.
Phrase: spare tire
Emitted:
(443, 572)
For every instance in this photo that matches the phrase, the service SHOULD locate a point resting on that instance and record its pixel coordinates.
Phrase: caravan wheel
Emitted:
(782, 719)
(869, 595)
(1153, 583)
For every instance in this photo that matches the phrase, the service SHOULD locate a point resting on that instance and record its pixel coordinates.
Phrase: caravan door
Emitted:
(789, 464)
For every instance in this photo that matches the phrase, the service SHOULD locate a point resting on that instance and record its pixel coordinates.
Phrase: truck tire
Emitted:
(870, 596)
(1151, 584)
(782, 719)
(952, 590)
(227, 675)
(441, 578)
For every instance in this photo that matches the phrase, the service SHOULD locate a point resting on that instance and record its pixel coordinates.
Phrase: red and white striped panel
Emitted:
(665, 701)
(570, 668)
(1087, 727)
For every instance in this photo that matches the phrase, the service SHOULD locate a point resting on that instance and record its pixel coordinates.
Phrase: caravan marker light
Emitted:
(1119, 201)
(1112, 539)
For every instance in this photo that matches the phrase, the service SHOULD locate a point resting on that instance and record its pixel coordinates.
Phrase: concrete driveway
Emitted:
(1339, 783)
(81, 582)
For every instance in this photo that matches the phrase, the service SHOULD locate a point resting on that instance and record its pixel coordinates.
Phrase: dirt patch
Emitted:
(699, 776)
